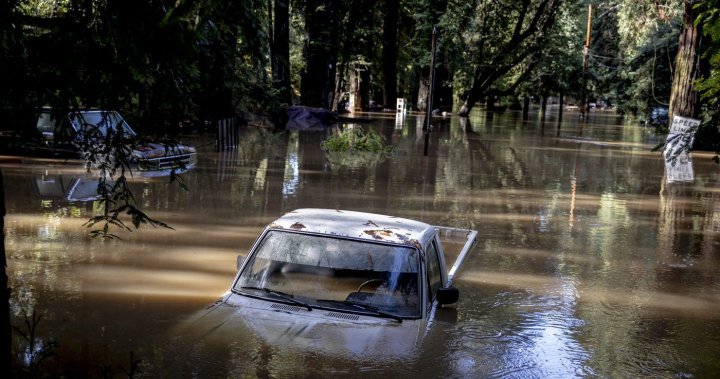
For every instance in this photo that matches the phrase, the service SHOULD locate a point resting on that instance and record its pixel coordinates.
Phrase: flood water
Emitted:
(587, 264)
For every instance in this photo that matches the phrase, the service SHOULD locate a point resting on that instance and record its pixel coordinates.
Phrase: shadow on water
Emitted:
(587, 263)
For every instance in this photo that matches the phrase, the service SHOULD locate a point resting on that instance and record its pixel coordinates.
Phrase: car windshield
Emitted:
(100, 120)
(335, 273)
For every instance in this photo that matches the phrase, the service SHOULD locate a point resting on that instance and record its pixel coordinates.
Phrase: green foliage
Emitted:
(157, 63)
(632, 52)
(497, 45)
(645, 76)
(709, 19)
(354, 147)
(44, 8)
(355, 139)
(709, 85)
(638, 20)
(559, 67)
(107, 154)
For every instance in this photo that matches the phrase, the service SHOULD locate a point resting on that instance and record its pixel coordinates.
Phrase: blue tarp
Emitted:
(306, 118)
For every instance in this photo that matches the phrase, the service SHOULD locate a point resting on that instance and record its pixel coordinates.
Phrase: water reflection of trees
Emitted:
(635, 267)
(687, 234)
(512, 173)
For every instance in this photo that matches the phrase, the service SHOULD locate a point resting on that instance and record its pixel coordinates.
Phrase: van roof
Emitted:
(370, 226)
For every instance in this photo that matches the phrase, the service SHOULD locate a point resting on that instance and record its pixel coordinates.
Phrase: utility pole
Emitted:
(586, 59)
(429, 109)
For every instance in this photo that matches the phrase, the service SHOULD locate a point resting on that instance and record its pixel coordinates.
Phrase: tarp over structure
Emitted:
(306, 118)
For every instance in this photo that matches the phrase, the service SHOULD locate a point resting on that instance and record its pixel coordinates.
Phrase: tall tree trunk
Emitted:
(443, 96)
(423, 93)
(561, 106)
(526, 108)
(339, 83)
(359, 88)
(683, 97)
(490, 103)
(281, 51)
(472, 98)
(321, 22)
(390, 55)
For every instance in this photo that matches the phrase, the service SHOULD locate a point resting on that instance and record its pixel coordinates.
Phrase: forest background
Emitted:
(164, 63)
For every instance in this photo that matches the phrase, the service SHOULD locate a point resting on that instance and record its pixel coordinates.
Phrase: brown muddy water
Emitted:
(587, 264)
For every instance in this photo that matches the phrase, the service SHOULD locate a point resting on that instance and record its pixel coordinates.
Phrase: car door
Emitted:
(56, 136)
(433, 270)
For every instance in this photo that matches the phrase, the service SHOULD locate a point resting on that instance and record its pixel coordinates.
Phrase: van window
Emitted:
(46, 126)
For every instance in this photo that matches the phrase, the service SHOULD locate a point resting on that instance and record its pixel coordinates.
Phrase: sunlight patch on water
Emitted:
(701, 306)
(509, 279)
(153, 282)
(704, 306)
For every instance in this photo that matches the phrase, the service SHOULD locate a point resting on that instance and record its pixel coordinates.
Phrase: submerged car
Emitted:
(340, 282)
(659, 116)
(71, 135)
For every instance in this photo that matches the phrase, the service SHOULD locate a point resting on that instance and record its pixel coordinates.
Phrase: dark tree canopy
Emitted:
(162, 62)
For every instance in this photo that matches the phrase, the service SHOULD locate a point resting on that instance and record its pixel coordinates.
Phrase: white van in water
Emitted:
(340, 282)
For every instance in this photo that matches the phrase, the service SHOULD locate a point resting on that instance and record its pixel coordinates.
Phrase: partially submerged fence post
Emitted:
(228, 133)
(228, 139)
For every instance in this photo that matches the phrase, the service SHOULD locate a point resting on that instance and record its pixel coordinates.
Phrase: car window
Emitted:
(46, 126)
(101, 121)
(433, 270)
(336, 270)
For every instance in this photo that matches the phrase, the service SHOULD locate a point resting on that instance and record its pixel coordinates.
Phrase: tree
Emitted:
(708, 85)
(321, 21)
(684, 96)
(426, 16)
(156, 63)
(708, 18)
(631, 54)
(494, 49)
(390, 56)
(280, 50)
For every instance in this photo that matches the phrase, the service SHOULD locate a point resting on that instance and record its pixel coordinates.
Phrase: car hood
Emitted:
(159, 150)
(320, 330)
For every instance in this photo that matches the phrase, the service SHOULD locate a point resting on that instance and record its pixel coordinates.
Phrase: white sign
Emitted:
(678, 163)
(681, 171)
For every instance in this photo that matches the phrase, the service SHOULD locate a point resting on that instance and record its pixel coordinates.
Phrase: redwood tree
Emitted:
(684, 97)
(321, 21)
(390, 54)
(280, 49)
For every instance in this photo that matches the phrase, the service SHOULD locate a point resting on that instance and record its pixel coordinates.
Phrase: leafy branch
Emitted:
(108, 151)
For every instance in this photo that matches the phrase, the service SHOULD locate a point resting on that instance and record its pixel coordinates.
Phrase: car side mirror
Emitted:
(449, 295)
(240, 260)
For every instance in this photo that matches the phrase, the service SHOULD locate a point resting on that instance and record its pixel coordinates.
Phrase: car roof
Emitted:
(79, 110)
(370, 226)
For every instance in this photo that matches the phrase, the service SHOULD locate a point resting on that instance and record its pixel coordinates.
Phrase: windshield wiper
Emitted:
(285, 296)
(366, 307)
